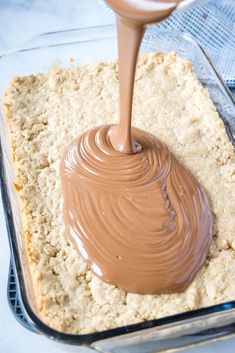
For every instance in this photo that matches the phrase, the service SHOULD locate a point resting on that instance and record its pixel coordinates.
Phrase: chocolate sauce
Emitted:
(132, 18)
(136, 215)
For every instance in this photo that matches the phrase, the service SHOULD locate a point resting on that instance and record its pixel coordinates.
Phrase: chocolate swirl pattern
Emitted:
(141, 221)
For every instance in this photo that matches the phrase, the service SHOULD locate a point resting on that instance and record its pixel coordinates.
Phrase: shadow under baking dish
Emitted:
(87, 45)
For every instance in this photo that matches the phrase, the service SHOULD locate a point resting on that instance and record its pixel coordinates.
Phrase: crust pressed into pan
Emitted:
(44, 113)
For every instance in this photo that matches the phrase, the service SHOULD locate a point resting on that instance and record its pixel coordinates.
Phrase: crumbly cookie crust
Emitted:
(44, 113)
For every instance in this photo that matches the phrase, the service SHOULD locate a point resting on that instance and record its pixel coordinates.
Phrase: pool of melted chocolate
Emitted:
(136, 215)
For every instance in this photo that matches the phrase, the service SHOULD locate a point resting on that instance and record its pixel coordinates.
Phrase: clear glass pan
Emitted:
(99, 44)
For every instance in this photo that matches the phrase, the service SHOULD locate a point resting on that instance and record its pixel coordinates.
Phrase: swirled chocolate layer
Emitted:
(141, 221)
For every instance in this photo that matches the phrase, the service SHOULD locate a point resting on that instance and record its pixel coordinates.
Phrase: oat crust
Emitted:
(44, 113)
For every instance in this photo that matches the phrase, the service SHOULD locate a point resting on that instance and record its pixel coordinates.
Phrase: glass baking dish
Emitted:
(99, 44)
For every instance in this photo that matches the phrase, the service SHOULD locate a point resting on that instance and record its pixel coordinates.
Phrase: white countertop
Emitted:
(20, 20)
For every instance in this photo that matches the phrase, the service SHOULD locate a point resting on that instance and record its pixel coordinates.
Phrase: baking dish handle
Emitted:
(171, 336)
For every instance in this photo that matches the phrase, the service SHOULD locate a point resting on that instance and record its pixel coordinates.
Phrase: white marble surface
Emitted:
(20, 20)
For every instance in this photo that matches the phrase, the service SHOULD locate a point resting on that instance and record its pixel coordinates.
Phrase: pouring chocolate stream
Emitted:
(132, 18)
(136, 215)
